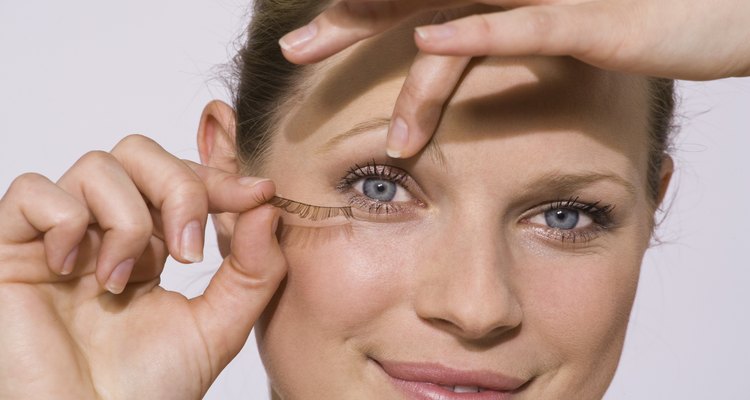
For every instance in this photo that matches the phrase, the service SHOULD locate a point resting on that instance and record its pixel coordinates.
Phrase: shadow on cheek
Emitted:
(309, 237)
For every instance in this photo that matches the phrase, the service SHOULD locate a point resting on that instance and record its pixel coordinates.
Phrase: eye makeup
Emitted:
(378, 192)
(309, 211)
(374, 192)
(559, 220)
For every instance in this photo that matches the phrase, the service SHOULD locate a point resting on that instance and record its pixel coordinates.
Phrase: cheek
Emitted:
(340, 284)
(579, 307)
(345, 280)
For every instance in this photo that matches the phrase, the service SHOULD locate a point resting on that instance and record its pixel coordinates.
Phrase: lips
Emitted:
(428, 381)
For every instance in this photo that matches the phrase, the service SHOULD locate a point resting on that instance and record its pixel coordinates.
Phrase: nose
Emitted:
(466, 285)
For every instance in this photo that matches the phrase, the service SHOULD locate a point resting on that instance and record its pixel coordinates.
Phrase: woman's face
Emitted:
(505, 256)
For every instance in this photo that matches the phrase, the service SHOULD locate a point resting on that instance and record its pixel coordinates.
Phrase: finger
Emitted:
(99, 182)
(348, 22)
(34, 205)
(173, 189)
(430, 82)
(242, 287)
(591, 31)
(231, 192)
(184, 192)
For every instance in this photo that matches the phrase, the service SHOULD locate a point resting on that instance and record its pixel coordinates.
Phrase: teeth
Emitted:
(463, 389)
(466, 389)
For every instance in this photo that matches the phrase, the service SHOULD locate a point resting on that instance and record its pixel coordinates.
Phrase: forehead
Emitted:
(497, 98)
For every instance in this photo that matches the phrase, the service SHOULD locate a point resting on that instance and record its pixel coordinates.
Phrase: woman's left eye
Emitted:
(382, 190)
(572, 220)
(563, 219)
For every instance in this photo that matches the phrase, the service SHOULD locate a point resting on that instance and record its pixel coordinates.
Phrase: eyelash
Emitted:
(600, 214)
(379, 171)
(309, 211)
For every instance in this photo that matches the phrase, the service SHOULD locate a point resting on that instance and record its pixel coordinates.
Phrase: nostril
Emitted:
(472, 332)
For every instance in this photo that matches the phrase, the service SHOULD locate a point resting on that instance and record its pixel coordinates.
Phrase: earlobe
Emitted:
(665, 177)
(216, 135)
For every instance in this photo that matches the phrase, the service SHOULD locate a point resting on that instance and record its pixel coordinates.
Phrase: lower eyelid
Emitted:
(573, 236)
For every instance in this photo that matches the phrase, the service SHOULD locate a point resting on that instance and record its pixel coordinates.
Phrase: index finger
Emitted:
(185, 192)
(348, 22)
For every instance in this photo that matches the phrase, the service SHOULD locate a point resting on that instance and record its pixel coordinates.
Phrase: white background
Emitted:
(78, 75)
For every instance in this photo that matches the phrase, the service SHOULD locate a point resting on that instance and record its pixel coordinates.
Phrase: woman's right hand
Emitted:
(112, 219)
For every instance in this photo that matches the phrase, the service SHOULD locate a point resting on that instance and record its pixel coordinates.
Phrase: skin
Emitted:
(68, 336)
(539, 308)
(663, 38)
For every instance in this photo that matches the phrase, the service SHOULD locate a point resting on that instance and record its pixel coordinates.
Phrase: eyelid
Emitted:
(600, 214)
(375, 208)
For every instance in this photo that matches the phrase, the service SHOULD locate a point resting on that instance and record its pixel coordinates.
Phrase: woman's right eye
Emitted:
(379, 189)
(383, 190)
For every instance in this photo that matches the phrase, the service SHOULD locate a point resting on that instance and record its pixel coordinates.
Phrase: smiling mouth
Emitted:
(429, 381)
(464, 389)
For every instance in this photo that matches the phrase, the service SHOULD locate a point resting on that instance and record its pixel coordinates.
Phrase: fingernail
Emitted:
(398, 138)
(436, 32)
(191, 247)
(251, 181)
(70, 262)
(119, 278)
(297, 38)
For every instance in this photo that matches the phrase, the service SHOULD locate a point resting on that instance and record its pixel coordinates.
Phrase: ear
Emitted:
(216, 145)
(216, 137)
(665, 176)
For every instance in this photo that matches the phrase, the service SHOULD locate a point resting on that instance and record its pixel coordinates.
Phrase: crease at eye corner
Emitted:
(311, 212)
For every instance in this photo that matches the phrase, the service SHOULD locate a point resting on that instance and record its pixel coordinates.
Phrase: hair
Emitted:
(264, 81)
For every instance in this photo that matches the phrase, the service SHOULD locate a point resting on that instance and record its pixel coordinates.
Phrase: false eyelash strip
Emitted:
(309, 211)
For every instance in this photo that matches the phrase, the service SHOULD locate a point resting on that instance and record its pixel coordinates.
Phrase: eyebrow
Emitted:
(561, 182)
(555, 181)
(432, 148)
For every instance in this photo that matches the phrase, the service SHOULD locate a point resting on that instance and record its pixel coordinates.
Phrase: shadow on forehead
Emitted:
(510, 94)
(340, 80)
(545, 94)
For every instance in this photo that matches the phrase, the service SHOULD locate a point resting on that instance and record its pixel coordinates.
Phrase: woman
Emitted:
(464, 323)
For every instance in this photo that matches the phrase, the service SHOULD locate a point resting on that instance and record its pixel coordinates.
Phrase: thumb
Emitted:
(242, 287)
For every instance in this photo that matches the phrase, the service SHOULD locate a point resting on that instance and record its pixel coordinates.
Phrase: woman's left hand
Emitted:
(679, 39)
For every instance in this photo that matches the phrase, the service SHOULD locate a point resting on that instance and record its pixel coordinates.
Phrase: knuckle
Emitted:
(136, 228)
(415, 92)
(189, 196)
(541, 23)
(133, 140)
(71, 216)
(185, 184)
(483, 24)
(96, 160)
(25, 184)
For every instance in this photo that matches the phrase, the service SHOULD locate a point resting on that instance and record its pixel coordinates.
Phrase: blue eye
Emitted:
(571, 220)
(562, 218)
(379, 189)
